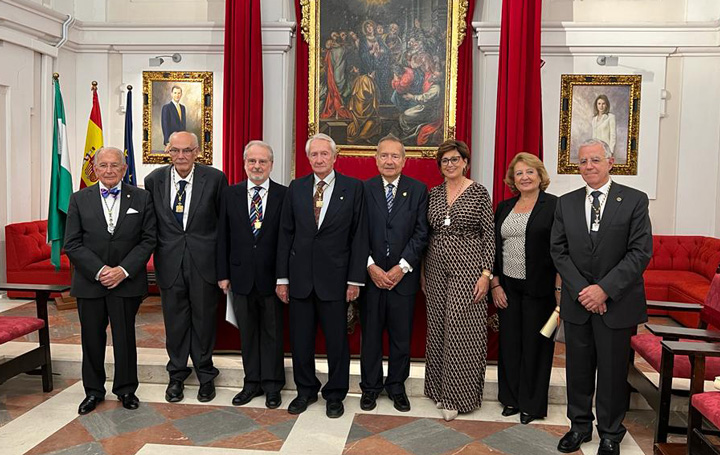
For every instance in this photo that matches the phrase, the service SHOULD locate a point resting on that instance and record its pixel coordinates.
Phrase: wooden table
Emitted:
(40, 356)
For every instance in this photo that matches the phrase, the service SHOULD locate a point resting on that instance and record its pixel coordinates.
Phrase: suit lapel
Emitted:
(307, 190)
(612, 203)
(338, 196)
(164, 184)
(273, 200)
(378, 193)
(538, 207)
(581, 217)
(126, 198)
(197, 191)
(401, 196)
(97, 204)
(242, 202)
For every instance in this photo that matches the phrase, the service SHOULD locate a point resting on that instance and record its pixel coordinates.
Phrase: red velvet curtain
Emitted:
(243, 83)
(518, 125)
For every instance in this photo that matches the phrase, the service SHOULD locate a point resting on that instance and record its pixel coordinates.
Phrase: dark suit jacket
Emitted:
(323, 259)
(200, 234)
(248, 261)
(90, 246)
(170, 121)
(539, 268)
(405, 229)
(617, 261)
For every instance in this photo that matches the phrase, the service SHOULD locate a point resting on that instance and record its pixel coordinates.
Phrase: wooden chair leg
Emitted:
(665, 389)
(44, 336)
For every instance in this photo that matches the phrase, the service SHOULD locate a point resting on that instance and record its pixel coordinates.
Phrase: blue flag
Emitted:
(130, 175)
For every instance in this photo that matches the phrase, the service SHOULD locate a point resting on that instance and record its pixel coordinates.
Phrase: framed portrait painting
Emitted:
(176, 101)
(379, 67)
(605, 107)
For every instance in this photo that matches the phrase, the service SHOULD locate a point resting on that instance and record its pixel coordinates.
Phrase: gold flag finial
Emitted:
(56, 76)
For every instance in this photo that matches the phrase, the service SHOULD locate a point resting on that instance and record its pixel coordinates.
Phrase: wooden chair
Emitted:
(648, 346)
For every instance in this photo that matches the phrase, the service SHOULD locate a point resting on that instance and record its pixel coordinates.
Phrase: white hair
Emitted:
(392, 138)
(594, 142)
(193, 135)
(120, 153)
(262, 144)
(321, 137)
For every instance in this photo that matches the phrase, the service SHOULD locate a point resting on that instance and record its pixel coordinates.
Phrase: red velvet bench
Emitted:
(12, 328)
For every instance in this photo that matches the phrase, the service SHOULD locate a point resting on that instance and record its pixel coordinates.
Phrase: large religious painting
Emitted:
(381, 67)
(605, 107)
(176, 101)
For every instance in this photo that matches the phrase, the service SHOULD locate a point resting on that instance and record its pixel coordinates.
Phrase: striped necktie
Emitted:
(256, 212)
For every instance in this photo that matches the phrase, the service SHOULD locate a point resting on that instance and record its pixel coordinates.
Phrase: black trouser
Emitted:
(94, 315)
(382, 309)
(525, 356)
(189, 308)
(304, 316)
(592, 347)
(260, 320)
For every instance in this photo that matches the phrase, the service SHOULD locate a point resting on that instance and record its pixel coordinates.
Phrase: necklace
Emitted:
(595, 225)
(180, 206)
(111, 222)
(455, 197)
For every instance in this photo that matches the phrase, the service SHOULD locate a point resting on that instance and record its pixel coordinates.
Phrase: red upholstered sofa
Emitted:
(27, 256)
(680, 271)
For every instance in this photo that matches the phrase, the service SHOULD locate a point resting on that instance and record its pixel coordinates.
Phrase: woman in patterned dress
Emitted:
(524, 289)
(457, 279)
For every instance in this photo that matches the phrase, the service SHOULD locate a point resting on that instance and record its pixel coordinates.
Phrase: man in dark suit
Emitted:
(187, 204)
(396, 207)
(322, 257)
(173, 116)
(109, 237)
(601, 242)
(247, 253)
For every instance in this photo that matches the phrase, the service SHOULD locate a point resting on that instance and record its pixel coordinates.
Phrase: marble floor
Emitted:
(32, 422)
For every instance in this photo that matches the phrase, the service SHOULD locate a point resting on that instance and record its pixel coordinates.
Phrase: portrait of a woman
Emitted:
(603, 123)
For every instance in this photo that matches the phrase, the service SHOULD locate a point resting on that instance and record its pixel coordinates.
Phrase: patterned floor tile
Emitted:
(219, 424)
(426, 437)
(374, 445)
(22, 393)
(517, 439)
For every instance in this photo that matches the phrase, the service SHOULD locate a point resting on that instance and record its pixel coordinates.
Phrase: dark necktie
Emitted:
(179, 204)
(389, 196)
(594, 214)
(256, 212)
(318, 201)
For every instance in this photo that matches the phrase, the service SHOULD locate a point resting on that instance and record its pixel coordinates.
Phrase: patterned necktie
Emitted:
(256, 212)
(389, 197)
(594, 214)
(111, 192)
(179, 204)
(318, 200)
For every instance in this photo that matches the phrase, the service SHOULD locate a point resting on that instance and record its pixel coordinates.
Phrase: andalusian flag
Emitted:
(93, 143)
(60, 180)
(130, 174)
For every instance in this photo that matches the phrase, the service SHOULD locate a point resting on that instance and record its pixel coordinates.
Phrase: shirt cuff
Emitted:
(405, 265)
(283, 281)
(370, 261)
(355, 284)
(97, 275)
(124, 271)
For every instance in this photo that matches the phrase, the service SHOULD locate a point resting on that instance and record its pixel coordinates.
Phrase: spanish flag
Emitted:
(93, 143)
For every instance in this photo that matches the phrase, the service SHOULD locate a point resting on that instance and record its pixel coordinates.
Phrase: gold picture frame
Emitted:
(421, 45)
(605, 107)
(163, 114)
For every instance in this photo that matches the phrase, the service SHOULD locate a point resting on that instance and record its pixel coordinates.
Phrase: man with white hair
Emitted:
(109, 238)
(321, 260)
(601, 242)
(246, 252)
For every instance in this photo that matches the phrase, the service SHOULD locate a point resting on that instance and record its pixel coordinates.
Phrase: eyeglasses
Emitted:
(594, 160)
(453, 160)
(253, 162)
(104, 166)
(188, 151)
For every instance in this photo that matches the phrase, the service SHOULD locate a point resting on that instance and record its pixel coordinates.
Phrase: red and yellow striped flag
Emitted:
(93, 143)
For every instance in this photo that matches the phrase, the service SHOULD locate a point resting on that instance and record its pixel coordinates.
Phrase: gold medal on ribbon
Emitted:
(179, 208)
(318, 204)
(258, 224)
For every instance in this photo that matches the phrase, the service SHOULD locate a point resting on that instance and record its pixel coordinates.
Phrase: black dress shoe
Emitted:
(400, 401)
(510, 411)
(300, 404)
(608, 447)
(273, 400)
(206, 392)
(527, 418)
(174, 391)
(129, 401)
(334, 409)
(245, 396)
(572, 441)
(368, 400)
(88, 404)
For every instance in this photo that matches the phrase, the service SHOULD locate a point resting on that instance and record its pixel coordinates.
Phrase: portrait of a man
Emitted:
(174, 114)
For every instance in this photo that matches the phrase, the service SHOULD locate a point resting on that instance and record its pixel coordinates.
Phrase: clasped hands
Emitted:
(593, 298)
(385, 280)
(282, 291)
(111, 277)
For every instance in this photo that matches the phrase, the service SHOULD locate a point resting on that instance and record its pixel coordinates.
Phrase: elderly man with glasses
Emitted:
(186, 195)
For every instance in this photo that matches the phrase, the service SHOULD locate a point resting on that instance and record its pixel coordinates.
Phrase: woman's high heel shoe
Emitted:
(449, 414)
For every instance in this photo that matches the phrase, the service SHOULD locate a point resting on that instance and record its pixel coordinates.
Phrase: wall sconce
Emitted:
(159, 60)
(607, 60)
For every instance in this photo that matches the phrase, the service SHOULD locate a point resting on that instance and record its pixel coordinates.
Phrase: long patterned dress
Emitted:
(456, 351)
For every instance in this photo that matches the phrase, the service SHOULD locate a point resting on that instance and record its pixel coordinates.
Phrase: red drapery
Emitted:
(243, 83)
(518, 125)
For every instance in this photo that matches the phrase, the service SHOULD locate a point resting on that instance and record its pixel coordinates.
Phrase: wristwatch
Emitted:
(488, 274)
(404, 268)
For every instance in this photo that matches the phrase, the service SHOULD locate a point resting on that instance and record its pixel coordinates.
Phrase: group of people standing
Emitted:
(328, 239)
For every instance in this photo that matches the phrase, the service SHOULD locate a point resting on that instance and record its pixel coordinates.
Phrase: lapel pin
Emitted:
(619, 199)
(404, 193)
(128, 196)
(342, 197)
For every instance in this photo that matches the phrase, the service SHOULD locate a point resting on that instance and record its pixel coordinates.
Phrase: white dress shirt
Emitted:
(588, 201)
(175, 177)
(263, 195)
(404, 265)
(110, 206)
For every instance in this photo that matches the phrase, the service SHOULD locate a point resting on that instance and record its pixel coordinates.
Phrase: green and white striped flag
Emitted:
(60, 180)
